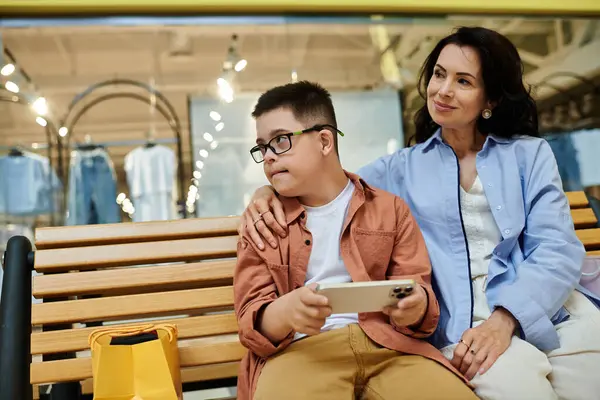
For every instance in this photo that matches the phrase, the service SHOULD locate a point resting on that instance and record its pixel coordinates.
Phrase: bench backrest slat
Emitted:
(132, 306)
(584, 218)
(577, 199)
(135, 280)
(95, 235)
(78, 369)
(589, 237)
(119, 255)
(77, 339)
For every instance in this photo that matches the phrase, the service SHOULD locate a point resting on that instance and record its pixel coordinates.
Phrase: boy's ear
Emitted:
(327, 142)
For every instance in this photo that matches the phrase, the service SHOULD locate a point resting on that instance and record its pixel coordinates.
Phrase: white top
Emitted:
(325, 264)
(152, 184)
(150, 170)
(483, 236)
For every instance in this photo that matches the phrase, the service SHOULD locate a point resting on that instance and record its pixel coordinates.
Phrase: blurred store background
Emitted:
(146, 118)
(187, 85)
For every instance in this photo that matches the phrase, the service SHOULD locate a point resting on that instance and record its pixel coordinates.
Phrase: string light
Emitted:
(215, 116)
(7, 70)
(40, 106)
(240, 65)
(11, 87)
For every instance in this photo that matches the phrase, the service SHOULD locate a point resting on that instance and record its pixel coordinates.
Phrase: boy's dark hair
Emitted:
(309, 102)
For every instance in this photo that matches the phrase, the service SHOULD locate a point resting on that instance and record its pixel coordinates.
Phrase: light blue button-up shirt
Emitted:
(538, 262)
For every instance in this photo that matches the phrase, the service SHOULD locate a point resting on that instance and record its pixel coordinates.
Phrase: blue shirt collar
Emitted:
(437, 138)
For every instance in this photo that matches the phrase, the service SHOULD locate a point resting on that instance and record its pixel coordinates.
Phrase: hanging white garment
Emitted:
(152, 184)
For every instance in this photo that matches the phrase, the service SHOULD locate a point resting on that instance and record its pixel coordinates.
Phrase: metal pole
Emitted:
(15, 321)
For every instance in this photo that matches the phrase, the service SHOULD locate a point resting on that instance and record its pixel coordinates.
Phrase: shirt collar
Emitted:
(293, 209)
(497, 139)
(437, 138)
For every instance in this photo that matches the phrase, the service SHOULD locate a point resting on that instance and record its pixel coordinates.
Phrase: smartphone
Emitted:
(357, 297)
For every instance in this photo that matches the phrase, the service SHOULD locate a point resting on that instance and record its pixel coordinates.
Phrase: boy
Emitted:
(339, 230)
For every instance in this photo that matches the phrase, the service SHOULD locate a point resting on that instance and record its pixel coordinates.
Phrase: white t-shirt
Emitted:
(152, 184)
(325, 264)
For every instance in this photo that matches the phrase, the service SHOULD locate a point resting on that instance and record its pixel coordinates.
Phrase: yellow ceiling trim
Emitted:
(519, 7)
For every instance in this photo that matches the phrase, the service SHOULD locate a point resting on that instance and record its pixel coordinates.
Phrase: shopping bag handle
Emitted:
(592, 274)
(130, 331)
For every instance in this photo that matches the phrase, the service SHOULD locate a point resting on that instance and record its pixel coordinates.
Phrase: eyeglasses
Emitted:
(283, 143)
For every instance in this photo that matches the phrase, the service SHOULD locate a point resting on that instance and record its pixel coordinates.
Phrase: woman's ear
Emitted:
(326, 141)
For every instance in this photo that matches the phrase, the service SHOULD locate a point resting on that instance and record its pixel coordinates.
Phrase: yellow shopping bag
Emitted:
(136, 363)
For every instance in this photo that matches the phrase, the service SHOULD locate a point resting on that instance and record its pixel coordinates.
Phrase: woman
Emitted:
(488, 198)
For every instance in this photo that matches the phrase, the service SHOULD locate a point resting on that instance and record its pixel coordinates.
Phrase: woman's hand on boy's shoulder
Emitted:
(409, 311)
(263, 217)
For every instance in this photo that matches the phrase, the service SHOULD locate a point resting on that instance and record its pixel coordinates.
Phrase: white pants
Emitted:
(571, 372)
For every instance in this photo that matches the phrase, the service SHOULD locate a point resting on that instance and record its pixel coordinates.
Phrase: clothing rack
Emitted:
(81, 103)
(33, 147)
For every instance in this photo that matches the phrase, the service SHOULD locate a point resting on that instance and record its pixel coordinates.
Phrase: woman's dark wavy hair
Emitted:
(502, 71)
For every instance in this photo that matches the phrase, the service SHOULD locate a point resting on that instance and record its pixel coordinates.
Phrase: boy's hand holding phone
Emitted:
(409, 311)
(305, 310)
(301, 310)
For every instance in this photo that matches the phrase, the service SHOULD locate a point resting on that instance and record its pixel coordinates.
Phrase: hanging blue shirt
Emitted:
(537, 264)
(28, 186)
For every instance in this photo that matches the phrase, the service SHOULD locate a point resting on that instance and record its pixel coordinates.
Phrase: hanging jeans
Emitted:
(93, 190)
(566, 158)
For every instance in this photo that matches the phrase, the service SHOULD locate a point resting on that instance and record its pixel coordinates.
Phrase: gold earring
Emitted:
(487, 113)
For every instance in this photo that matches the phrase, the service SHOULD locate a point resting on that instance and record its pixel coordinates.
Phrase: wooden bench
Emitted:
(109, 273)
(585, 221)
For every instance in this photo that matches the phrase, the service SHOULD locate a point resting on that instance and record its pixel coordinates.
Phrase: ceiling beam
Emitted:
(579, 62)
(559, 35)
(531, 58)
(511, 27)
(409, 41)
(582, 30)
(387, 61)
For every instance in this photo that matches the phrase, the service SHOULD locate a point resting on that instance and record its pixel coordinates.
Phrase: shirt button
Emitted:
(507, 231)
(498, 207)
(490, 185)
(307, 242)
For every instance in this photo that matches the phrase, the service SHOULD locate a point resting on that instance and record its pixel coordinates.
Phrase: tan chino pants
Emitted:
(345, 364)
